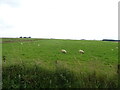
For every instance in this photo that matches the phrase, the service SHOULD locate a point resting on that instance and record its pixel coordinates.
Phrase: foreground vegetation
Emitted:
(40, 64)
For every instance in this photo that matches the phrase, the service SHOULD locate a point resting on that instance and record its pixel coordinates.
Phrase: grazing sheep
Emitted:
(81, 51)
(63, 51)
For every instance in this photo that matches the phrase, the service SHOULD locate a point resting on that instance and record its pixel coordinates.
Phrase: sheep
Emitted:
(81, 51)
(63, 51)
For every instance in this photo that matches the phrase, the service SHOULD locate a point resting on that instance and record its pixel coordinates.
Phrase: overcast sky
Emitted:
(69, 19)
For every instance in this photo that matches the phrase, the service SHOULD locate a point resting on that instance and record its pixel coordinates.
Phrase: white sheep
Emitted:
(81, 51)
(63, 51)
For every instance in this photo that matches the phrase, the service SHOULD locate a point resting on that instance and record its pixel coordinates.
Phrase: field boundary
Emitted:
(20, 41)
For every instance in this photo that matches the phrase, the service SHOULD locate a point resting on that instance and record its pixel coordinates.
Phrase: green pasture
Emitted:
(38, 63)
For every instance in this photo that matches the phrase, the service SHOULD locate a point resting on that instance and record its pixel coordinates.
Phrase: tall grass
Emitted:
(35, 76)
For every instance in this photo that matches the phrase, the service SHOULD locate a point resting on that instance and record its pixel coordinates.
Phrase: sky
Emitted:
(60, 19)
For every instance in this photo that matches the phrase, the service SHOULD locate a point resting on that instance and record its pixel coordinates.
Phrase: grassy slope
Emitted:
(98, 63)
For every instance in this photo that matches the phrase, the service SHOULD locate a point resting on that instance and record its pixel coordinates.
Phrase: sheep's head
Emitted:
(63, 51)
(81, 51)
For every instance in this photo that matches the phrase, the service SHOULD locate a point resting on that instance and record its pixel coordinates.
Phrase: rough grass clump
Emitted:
(18, 76)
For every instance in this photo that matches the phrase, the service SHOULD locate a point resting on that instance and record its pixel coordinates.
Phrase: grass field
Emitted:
(38, 63)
